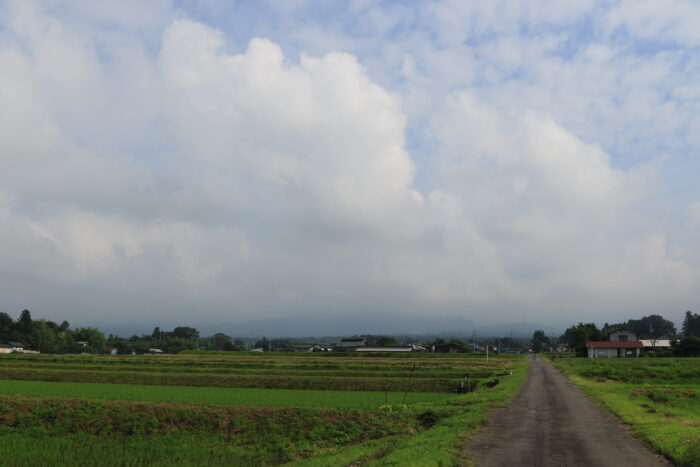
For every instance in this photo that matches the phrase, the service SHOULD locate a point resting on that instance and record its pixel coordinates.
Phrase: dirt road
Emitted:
(551, 423)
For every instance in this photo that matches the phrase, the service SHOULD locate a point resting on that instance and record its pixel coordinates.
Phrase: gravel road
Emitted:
(551, 423)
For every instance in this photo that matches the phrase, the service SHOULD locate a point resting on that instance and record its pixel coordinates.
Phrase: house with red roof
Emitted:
(622, 343)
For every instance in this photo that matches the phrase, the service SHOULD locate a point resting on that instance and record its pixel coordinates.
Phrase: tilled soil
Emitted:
(550, 422)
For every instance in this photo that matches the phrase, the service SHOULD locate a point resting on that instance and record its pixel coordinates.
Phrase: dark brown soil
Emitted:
(551, 422)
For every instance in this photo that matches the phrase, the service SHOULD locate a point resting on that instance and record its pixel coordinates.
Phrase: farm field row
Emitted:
(253, 397)
(144, 424)
(369, 383)
(659, 399)
(241, 370)
(390, 372)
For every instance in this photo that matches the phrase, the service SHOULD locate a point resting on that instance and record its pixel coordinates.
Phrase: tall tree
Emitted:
(577, 336)
(691, 324)
(24, 323)
(539, 341)
(652, 327)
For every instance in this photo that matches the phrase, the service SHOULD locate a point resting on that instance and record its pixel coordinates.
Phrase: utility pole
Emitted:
(474, 339)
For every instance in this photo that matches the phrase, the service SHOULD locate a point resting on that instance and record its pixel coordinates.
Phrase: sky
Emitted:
(208, 163)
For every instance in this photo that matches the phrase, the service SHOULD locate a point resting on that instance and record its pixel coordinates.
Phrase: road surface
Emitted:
(551, 423)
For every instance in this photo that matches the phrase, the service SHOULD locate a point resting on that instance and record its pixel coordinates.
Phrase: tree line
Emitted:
(652, 327)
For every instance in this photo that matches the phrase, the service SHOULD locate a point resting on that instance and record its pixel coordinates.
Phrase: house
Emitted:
(350, 343)
(656, 344)
(393, 348)
(6, 348)
(17, 346)
(308, 348)
(445, 348)
(614, 349)
(561, 349)
(155, 351)
(622, 335)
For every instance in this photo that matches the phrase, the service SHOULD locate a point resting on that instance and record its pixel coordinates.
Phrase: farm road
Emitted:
(550, 422)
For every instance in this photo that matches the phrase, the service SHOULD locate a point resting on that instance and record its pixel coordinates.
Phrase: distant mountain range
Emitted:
(392, 324)
(378, 323)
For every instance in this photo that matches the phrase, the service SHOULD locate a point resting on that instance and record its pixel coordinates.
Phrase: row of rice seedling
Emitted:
(243, 381)
(239, 434)
(419, 372)
(255, 397)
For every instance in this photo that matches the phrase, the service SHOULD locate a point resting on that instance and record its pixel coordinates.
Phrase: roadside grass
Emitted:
(253, 397)
(663, 410)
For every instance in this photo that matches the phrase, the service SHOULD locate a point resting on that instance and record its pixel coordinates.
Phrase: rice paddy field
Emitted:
(657, 398)
(248, 409)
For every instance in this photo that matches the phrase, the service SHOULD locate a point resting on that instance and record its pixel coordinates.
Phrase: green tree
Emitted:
(386, 341)
(43, 338)
(577, 336)
(222, 341)
(24, 323)
(691, 324)
(540, 341)
(652, 327)
(96, 341)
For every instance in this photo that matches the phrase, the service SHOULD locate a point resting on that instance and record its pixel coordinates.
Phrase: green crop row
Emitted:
(243, 435)
(419, 372)
(275, 360)
(242, 381)
(254, 397)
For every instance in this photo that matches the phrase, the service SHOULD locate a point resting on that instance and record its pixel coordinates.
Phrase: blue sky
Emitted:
(266, 159)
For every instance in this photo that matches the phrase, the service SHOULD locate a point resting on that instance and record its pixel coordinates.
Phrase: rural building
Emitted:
(16, 346)
(393, 348)
(308, 348)
(351, 343)
(615, 349)
(656, 344)
(6, 348)
(445, 348)
(622, 335)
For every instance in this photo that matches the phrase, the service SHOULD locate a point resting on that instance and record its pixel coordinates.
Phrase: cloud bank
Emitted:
(158, 166)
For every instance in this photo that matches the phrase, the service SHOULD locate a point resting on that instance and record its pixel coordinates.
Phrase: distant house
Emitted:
(81, 343)
(308, 348)
(393, 348)
(6, 348)
(155, 351)
(351, 343)
(445, 348)
(615, 349)
(17, 346)
(562, 348)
